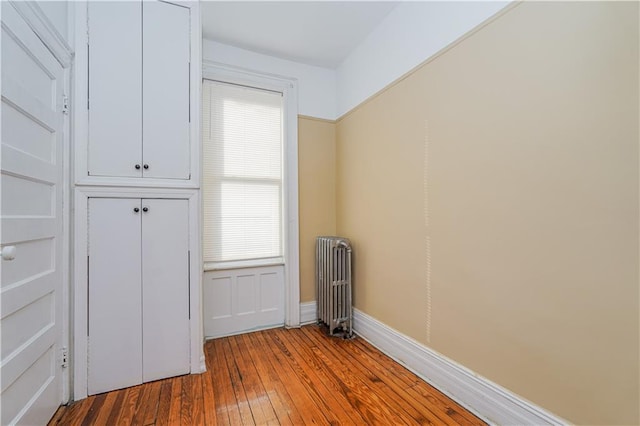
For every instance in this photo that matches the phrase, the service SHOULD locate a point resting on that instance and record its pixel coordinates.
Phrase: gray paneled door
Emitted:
(32, 225)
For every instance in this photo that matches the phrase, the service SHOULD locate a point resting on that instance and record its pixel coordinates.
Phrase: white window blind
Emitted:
(242, 159)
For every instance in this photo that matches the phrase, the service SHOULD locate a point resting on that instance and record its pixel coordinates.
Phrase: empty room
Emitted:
(320, 212)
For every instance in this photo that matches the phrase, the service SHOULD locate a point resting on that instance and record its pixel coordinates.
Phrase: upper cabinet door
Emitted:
(115, 89)
(165, 92)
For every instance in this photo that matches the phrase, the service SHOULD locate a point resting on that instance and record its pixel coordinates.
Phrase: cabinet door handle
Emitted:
(145, 209)
(146, 166)
(137, 166)
(136, 210)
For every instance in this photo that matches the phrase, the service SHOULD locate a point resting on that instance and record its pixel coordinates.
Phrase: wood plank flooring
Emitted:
(288, 377)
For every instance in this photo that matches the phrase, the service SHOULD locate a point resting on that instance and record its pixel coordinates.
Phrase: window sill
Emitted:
(243, 264)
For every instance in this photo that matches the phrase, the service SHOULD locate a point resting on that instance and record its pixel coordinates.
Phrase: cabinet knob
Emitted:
(145, 209)
(137, 166)
(136, 209)
(146, 166)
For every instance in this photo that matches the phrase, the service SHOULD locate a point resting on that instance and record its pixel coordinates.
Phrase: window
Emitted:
(243, 173)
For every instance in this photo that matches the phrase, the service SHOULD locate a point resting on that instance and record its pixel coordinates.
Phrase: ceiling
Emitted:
(320, 33)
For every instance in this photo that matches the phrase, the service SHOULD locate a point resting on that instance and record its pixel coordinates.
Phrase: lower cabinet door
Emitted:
(165, 288)
(115, 296)
(138, 291)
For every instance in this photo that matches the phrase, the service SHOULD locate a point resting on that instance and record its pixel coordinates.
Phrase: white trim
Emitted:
(82, 195)
(308, 313)
(45, 30)
(243, 264)
(67, 233)
(243, 76)
(289, 88)
(238, 333)
(81, 113)
(292, 237)
(486, 399)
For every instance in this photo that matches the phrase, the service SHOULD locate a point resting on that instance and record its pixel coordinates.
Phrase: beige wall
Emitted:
(317, 196)
(492, 199)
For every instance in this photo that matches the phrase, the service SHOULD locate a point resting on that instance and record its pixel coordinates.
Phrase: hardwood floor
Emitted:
(294, 377)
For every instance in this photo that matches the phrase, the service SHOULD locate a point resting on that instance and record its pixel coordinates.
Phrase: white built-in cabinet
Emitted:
(138, 291)
(137, 265)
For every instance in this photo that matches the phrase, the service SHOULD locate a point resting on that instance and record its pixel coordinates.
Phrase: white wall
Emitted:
(316, 85)
(408, 36)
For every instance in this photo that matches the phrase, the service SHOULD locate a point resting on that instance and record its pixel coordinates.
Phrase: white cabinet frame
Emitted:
(80, 288)
(81, 116)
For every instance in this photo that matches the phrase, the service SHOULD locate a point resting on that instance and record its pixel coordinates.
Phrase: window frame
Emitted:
(290, 222)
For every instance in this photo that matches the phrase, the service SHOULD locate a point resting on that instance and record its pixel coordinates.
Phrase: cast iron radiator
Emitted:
(333, 285)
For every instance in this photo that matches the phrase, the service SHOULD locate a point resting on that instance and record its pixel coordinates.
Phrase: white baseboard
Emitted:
(479, 395)
(308, 313)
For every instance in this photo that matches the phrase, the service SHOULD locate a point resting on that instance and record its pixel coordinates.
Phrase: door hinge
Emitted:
(64, 357)
(65, 105)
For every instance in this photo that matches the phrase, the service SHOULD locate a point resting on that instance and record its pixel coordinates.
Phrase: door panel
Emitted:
(37, 258)
(165, 288)
(166, 49)
(27, 197)
(32, 222)
(240, 300)
(30, 383)
(115, 88)
(115, 294)
(21, 132)
(26, 322)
